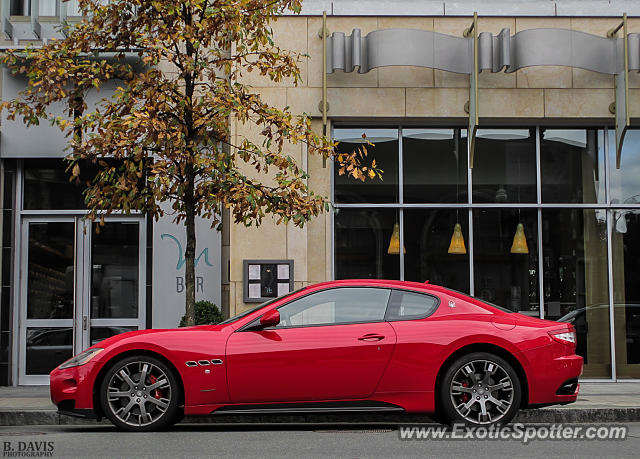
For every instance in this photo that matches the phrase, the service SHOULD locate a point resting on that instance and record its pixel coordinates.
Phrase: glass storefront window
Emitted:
(625, 242)
(572, 165)
(508, 206)
(625, 182)
(441, 155)
(367, 244)
(505, 267)
(576, 287)
(504, 166)
(427, 236)
(47, 186)
(385, 152)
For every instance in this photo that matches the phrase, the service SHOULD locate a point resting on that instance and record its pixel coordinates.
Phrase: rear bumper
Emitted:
(553, 377)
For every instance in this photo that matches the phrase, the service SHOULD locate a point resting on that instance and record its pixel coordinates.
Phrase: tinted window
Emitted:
(335, 306)
(47, 185)
(381, 145)
(409, 305)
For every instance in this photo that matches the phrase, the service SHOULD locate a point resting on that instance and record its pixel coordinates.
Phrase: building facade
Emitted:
(542, 222)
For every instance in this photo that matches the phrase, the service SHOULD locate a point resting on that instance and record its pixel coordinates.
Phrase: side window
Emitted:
(410, 305)
(336, 306)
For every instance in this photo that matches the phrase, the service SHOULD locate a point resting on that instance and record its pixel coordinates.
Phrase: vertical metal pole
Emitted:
(472, 32)
(607, 168)
(612, 341)
(472, 285)
(401, 211)
(16, 280)
(540, 265)
(610, 214)
(324, 80)
(401, 201)
(332, 218)
(470, 201)
(540, 248)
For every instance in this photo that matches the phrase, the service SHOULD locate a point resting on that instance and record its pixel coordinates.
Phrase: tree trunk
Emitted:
(190, 254)
(190, 269)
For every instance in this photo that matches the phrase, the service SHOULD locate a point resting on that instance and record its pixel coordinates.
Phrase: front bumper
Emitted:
(553, 375)
(72, 390)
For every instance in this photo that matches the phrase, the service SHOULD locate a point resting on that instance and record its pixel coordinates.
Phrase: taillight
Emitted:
(564, 336)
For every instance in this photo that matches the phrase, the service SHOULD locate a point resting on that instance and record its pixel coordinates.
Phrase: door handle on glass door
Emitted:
(371, 337)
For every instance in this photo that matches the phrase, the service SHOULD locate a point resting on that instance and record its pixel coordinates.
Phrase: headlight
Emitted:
(81, 358)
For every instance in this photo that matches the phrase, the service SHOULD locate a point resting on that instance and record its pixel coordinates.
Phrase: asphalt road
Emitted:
(299, 441)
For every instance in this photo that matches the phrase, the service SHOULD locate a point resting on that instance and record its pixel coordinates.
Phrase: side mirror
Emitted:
(270, 319)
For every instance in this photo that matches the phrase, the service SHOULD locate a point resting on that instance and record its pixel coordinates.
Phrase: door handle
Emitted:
(371, 337)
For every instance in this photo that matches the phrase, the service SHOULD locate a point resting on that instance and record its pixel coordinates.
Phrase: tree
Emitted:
(164, 135)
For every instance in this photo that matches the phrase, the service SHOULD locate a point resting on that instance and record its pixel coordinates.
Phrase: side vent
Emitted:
(191, 363)
(216, 361)
(204, 362)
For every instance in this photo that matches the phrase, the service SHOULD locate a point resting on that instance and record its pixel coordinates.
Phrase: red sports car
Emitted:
(353, 345)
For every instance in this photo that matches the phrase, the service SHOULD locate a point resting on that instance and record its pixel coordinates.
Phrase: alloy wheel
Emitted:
(481, 391)
(139, 393)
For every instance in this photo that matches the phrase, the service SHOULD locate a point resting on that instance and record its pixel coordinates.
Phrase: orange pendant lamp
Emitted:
(457, 246)
(394, 243)
(519, 241)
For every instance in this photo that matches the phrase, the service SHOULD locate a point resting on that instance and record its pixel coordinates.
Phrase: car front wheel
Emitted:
(140, 394)
(480, 389)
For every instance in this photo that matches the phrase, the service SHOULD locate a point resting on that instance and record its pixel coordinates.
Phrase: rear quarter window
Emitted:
(405, 305)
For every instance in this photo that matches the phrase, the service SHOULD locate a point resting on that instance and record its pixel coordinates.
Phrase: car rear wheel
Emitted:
(140, 394)
(480, 389)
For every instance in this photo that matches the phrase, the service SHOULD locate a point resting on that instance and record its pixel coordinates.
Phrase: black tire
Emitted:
(469, 384)
(142, 407)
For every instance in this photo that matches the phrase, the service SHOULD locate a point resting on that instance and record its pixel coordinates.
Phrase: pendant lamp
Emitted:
(457, 241)
(519, 241)
(394, 243)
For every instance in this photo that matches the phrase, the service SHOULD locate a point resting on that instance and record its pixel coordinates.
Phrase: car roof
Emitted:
(379, 283)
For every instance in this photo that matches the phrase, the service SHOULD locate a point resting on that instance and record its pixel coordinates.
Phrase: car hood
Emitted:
(155, 331)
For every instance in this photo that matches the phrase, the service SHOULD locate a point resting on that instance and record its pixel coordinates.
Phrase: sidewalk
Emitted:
(598, 402)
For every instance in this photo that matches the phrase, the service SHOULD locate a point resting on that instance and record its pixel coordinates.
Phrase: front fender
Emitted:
(203, 384)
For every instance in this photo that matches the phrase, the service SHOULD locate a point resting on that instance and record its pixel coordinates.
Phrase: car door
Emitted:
(331, 344)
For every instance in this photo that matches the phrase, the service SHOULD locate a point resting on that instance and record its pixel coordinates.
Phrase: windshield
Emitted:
(262, 305)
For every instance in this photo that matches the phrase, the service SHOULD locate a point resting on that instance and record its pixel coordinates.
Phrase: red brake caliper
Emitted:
(156, 392)
(465, 396)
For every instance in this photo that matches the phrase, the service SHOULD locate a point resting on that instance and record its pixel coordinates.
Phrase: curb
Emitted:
(543, 415)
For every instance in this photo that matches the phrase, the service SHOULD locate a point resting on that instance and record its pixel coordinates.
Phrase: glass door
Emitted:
(113, 289)
(78, 287)
(48, 296)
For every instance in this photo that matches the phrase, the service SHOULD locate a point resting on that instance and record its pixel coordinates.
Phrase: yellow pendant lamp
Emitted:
(457, 241)
(519, 241)
(394, 243)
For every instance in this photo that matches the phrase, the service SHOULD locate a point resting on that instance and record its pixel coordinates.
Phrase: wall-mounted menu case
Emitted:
(266, 279)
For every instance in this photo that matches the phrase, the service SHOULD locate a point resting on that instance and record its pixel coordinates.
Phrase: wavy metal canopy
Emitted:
(424, 48)
(495, 53)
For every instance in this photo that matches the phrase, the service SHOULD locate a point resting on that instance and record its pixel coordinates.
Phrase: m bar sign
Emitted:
(266, 279)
